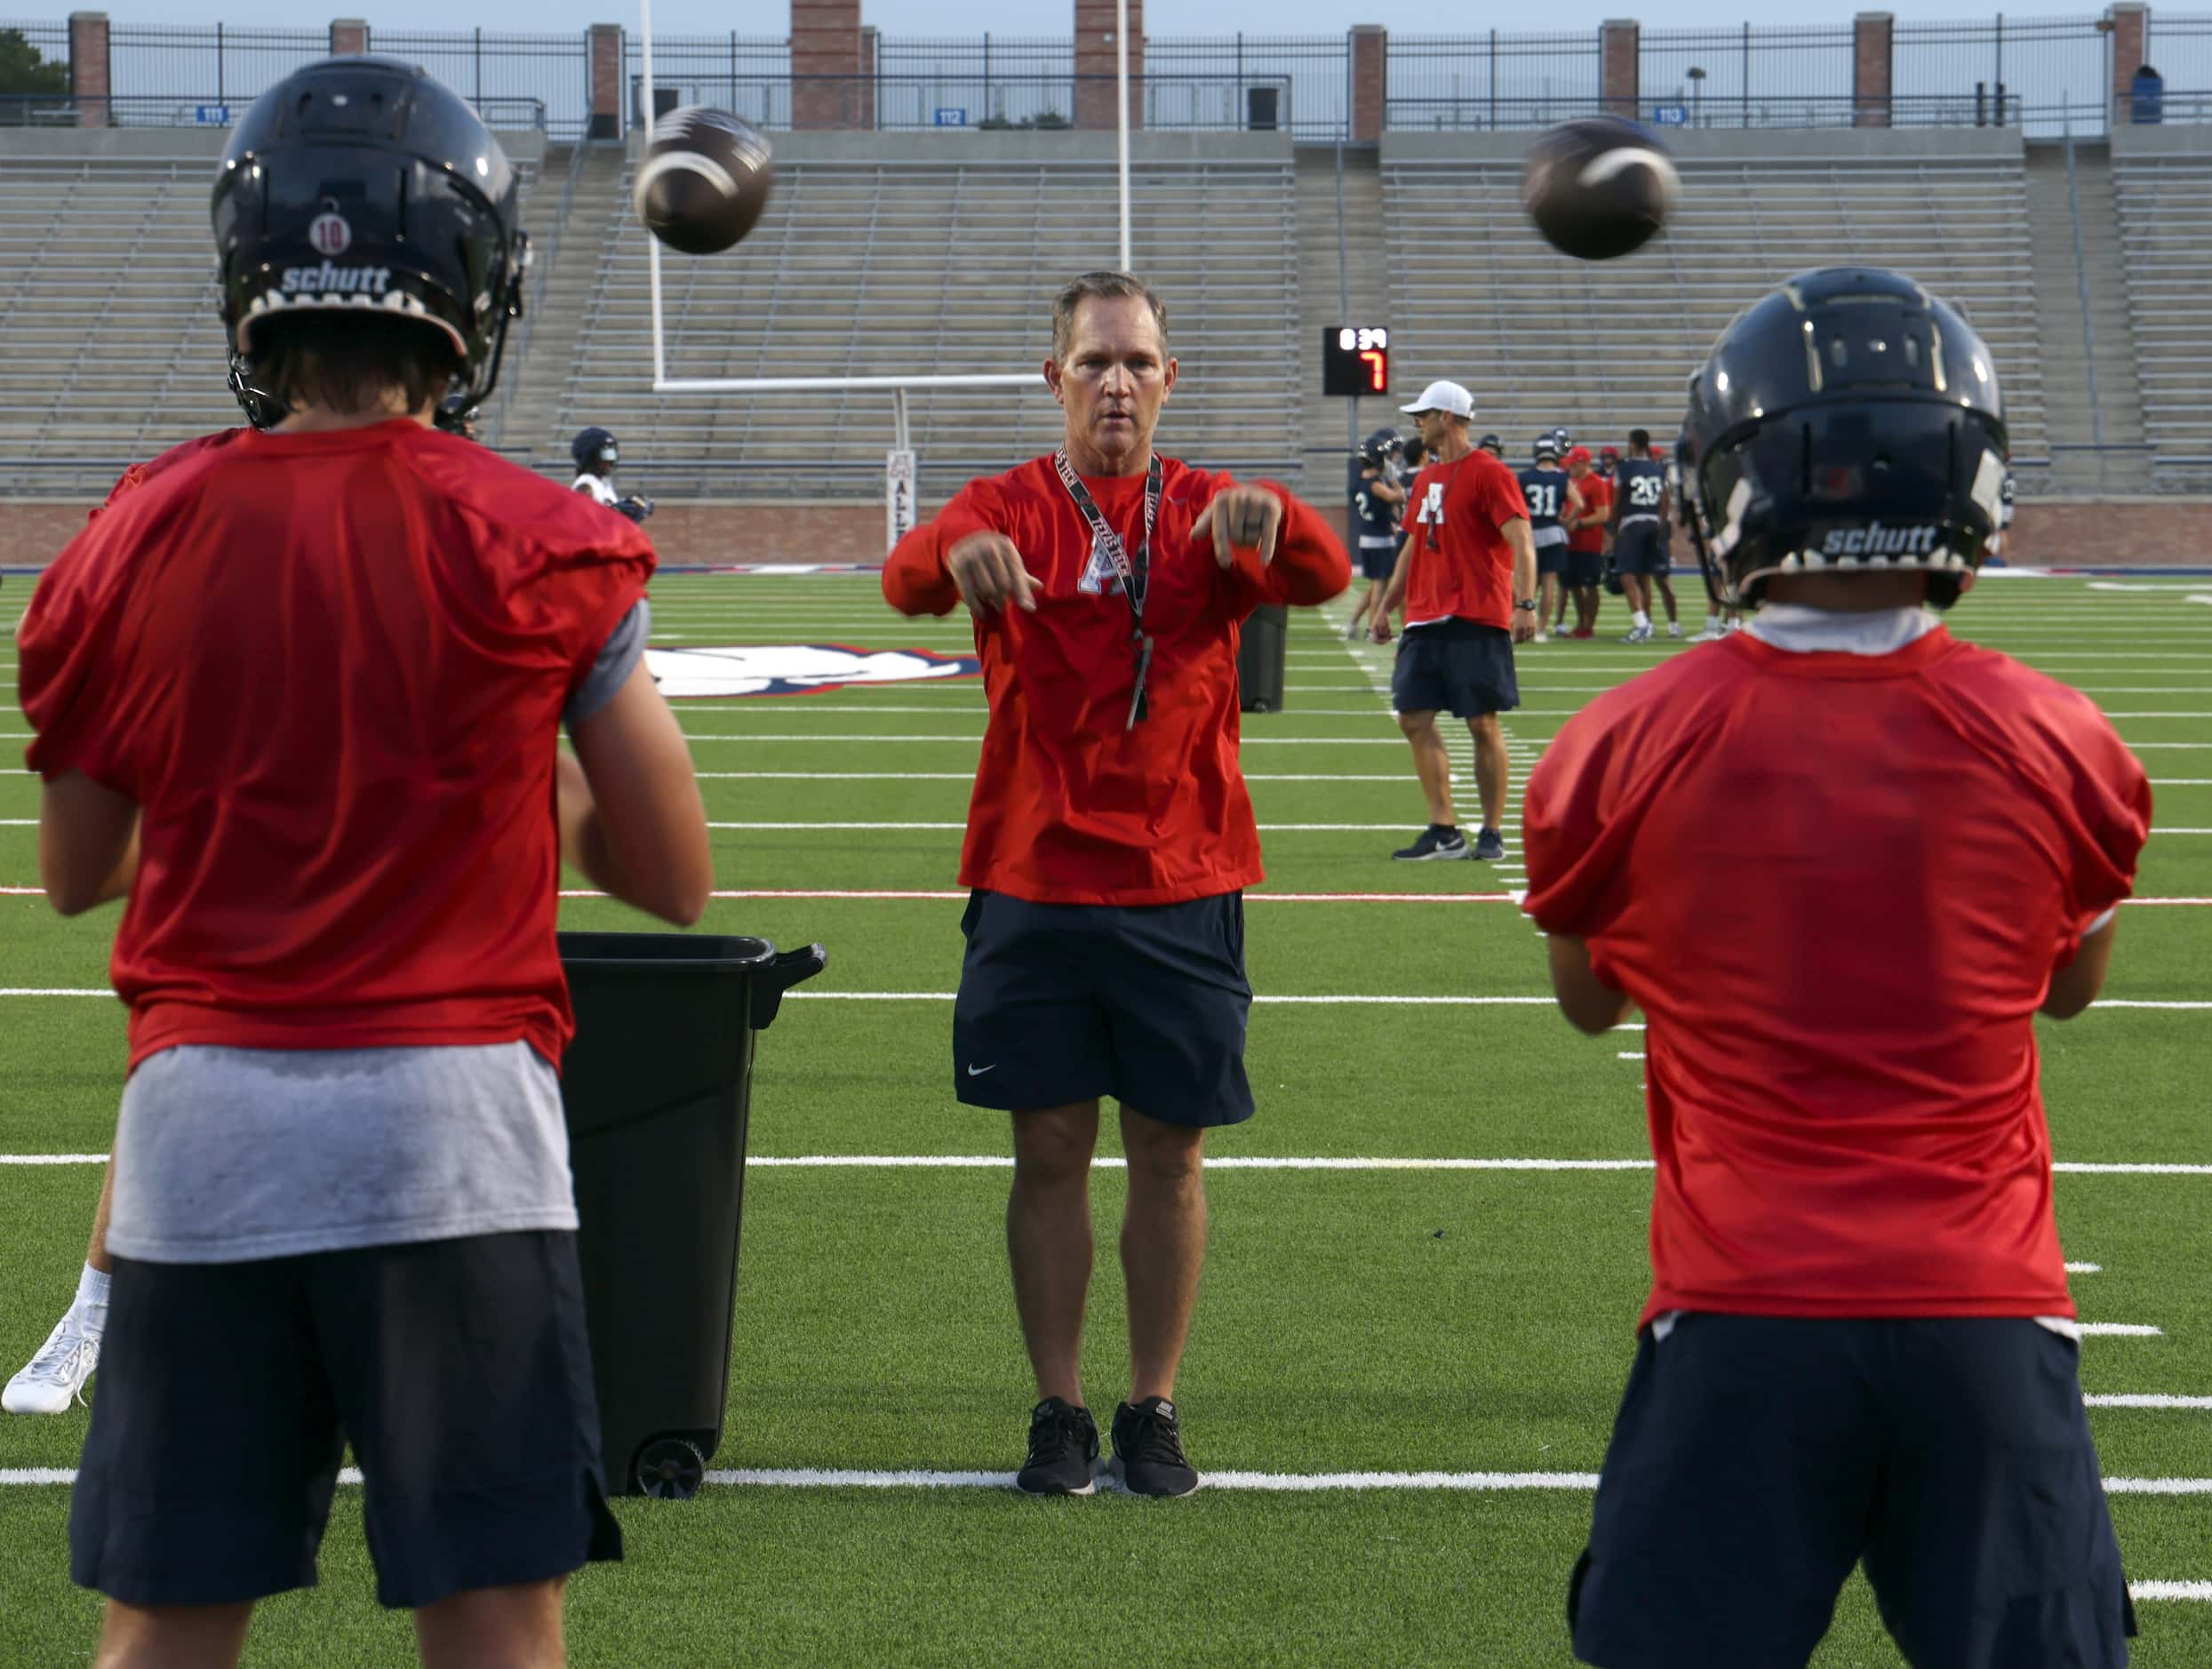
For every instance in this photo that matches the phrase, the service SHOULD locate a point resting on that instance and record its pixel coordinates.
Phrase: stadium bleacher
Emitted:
(2165, 202)
(1603, 347)
(905, 261)
(110, 347)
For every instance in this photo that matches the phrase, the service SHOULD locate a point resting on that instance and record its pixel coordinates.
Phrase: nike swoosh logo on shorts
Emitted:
(977, 1072)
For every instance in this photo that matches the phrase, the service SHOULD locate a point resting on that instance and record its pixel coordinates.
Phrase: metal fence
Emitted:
(948, 101)
(1708, 77)
(1498, 79)
(2044, 74)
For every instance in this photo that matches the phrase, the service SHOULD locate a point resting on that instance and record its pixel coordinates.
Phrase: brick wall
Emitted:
(1097, 61)
(606, 81)
(1370, 80)
(1870, 69)
(348, 35)
(2131, 23)
(2173, 532)
(89, 81)
(826, 42)
(1621, 68)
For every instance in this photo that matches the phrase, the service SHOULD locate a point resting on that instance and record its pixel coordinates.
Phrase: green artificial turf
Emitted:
(1386, 1320)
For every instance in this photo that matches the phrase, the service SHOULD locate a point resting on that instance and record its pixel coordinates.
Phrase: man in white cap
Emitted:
(1466, 579)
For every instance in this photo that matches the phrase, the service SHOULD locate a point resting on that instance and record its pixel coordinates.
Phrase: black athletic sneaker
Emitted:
(1149, 1450)
(1062, 1447)
(1435, 842)
(1490, 846)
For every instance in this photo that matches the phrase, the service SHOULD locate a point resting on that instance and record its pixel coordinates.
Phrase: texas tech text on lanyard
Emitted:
(1133, 574)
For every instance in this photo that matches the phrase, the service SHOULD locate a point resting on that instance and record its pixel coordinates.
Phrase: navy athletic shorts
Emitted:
(1757, 1459)
(457, 1369)
(1551, 559)
(1376, 561)
(1640, 547)
(1462, 668)
(1584, 567)
(1061, 1003)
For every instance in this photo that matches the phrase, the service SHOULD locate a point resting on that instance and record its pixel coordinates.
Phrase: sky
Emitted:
(1019, 17)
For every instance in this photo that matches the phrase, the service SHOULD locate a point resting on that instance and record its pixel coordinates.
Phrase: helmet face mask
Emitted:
(362, 182)
(594, 452)
(1848, 423)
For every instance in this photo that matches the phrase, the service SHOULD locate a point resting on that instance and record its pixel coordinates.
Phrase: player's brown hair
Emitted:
(1101, 286)
(350, 360)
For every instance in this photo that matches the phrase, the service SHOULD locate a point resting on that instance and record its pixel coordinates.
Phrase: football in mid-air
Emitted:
(1599, 186)
(704, 180)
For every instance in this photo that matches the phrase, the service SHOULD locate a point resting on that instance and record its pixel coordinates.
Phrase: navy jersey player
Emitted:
(1545, 487)
(1640, 534)
(1378, 491)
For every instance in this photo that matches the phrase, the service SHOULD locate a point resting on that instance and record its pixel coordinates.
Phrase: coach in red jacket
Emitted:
(1109, 841)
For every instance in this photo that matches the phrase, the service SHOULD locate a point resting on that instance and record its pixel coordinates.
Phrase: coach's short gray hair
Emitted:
(1102, 286)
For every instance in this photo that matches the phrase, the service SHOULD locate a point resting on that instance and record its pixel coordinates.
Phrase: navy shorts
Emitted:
(1640, 547)
(1551, 559)
(1061, 1003)
(1584, 567)
(457, 1369)
(1457, 667)
(1757, 1459)
(1377, 561)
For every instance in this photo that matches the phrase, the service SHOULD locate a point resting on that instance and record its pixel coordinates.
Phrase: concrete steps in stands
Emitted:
(557, 330)
(2063, 277)
(1341, 281)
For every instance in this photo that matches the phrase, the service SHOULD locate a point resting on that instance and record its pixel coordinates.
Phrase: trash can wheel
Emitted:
(670, 1468)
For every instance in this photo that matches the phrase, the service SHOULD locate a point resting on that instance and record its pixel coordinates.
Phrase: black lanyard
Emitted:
(1135, 572)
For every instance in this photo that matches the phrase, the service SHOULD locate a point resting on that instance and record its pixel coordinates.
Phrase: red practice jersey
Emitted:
(329, 669)
(1461, 565)
(1837, 885)
(1070, 807)
(1597, 500)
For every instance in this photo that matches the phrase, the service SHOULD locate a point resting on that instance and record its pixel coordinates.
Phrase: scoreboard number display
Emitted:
(1355, 360)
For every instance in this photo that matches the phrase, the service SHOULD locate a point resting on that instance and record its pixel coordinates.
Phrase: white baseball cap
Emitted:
(1443, 396)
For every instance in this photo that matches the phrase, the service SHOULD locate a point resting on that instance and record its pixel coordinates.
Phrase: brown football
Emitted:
(704, 180)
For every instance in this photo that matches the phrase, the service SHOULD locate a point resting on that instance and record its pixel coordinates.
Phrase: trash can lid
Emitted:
(668, 951)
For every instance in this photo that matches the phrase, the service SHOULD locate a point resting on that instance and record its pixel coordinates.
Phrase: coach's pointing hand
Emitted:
(989, 572)
(1241, 517)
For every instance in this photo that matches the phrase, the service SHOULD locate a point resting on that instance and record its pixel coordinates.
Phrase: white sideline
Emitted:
(1298, 1482)
(2124, 1402)
(1270, 1161)
(946, 996)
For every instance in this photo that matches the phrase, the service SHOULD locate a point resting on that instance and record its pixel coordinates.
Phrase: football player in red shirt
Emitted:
(1589, 513)
(1110, 839)
(296, 698)
(1466, 579)
(1875, 854)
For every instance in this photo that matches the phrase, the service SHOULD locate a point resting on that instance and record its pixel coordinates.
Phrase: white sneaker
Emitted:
(1674, 629)
(56, 1376)
(1638, 635)
(1541, 638)
(1711, 635)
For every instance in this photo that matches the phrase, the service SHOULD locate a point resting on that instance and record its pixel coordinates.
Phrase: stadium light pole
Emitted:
(1121, 76)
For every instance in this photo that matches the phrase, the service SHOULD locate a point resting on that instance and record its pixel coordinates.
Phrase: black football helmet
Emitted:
(1379, 449)
(365, 182)
(1546, 446)
(595, 452)
(1492, 444)
(1850, 423)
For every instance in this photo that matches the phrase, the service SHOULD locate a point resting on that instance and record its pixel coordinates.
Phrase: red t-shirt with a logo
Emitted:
(329, 669)
(1461, 567)
(1597, 500)
(1070, 806)
(1837, 885)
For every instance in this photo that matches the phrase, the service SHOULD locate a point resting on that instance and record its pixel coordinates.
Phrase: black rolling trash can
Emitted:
(1261, 647)
(658, 1089)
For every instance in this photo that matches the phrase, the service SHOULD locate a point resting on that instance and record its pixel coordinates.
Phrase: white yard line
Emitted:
(2085, 1269)
(2126, 1401)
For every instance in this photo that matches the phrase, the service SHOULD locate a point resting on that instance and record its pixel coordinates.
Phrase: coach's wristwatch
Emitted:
(1527, 602)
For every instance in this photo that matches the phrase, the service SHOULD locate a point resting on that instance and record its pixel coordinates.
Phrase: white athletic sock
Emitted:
(91, 1304)
(1712, 622)
(1639, 619)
